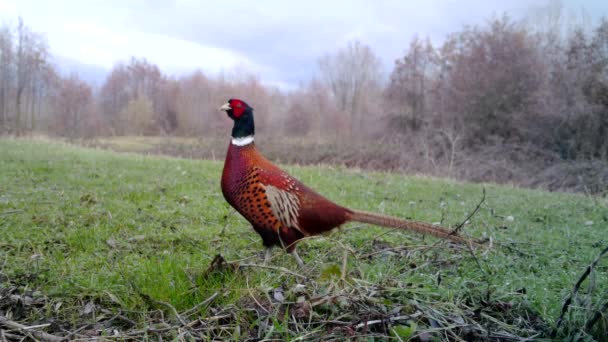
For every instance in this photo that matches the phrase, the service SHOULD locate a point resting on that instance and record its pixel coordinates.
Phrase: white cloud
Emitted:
(103, 46)
(101, 35)
(8, 10)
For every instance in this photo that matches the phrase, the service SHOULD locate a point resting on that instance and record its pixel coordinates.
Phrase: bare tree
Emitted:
(114, 96)
(25, 73)
(194, 104)
(584, 88)
(199, 94)
(6, 74)
(491, 76)
(324, 112)
(139, 115)
(134, 84)
(410, 84)
(72, 107)
(353, 76)
(31, 57)
(167, 105)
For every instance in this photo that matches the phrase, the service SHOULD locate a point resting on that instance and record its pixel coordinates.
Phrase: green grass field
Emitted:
(102, 243)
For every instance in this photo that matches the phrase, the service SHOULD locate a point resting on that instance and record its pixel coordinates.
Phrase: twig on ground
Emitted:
(120, 317)
(72, 333)
(206, 302)
(345, 251)
(4, 336)
(596, 317)
(168, 305)
(510, 246)
(8, 212)
(384, 250)
(410, 249)
(575, 289)
(23, 328)
(344, 264)
(151, 330)
(459, 226)
(37, 326)
(253, 297)
(230, 213)
(390, 319)
(280, 269)
(469, 246)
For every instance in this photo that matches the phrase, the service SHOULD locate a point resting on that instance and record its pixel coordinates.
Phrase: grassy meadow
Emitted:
(124, 245)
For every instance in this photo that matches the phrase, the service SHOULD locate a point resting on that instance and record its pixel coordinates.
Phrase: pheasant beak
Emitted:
(225, 107)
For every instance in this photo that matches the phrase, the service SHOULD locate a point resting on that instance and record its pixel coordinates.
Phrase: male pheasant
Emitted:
(281, 209)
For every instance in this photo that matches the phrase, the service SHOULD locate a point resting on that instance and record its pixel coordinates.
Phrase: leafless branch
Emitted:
(575, 289)
(280, 269)
(459, 226)
(43, 336)
(200, 305)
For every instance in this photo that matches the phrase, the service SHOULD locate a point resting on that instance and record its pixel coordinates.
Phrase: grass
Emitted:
(113, 243)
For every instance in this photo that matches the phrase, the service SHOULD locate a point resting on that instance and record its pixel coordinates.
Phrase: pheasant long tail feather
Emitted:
(416, 226)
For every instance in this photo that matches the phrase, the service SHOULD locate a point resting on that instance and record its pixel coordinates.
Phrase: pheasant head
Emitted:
(242, 115)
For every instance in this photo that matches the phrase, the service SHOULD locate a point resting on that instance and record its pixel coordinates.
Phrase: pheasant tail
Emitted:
(416, 226)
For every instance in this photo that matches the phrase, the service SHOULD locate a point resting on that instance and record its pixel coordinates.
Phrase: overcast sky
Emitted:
(278, 40)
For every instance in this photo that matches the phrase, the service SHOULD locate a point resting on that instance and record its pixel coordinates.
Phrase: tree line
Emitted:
(509, 83)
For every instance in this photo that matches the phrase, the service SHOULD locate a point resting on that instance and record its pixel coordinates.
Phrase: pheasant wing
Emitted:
(298, 207)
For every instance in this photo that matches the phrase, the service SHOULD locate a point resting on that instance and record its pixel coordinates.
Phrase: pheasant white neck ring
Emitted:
(242, 141)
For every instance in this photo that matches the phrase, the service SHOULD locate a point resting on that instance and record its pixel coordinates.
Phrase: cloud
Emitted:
(280, 41)
(103, 33)
(103, 46)
(291, 36)
(8, 8)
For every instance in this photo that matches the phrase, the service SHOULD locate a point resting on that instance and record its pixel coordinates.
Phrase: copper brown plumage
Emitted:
(280, 208)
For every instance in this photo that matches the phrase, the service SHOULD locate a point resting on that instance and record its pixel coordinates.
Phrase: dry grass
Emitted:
(520, 165)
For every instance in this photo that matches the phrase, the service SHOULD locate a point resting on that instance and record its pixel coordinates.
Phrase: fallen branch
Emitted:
(41, 335)
(72, 333)
(596, 317)
(253, 296)
(8, 212)
(344, 265)
(575, 289)
(189, 312)
(409, 249)
(280, 269)
(151, 330)
(390, 319)
(4, 336)
(469, 246)
(168, 305)
(459, 226)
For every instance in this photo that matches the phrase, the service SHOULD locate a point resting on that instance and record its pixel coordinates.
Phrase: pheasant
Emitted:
(280, 208)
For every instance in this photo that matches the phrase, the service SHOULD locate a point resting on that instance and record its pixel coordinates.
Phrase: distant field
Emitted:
(523, 166)
(367, 155)
(103, 243)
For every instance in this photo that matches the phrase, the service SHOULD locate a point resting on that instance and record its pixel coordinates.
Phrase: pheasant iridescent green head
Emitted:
(242, 114)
